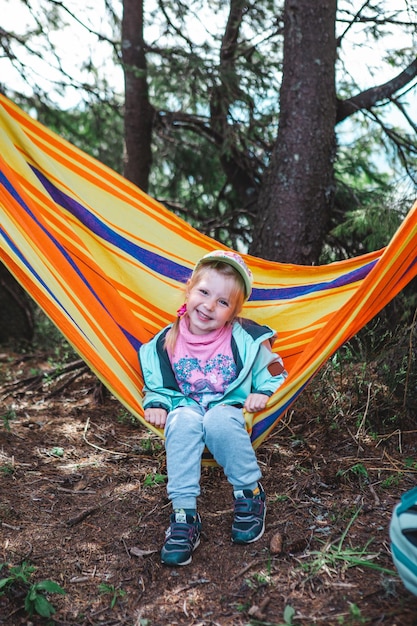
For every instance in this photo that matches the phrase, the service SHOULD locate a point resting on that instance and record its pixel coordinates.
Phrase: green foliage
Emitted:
(17, 574)
(289, 613)
(56, 451)
(115, 593)
(36, 602)
(49, 338)
(386, 346)
(218, 142)
(7, 417)
(396, 359)
(191, 182)
(35, 599)
(259, 579)
(337, 555)
(152, 480)
(391, 481)
(368, 210)
(281, 498)
(125, 417)
(358, 470)
(368, 207)
(150, 445)
(96, 128)
(7, 469)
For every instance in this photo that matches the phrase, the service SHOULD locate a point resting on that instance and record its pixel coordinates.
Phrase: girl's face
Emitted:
(210, 302)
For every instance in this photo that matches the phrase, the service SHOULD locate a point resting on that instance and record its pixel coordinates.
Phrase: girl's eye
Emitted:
(223, 303)
(204, 292)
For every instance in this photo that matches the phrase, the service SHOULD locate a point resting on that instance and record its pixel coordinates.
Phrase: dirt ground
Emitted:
(83, 501)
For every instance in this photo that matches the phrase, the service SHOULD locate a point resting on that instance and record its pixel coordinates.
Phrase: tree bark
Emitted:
(138, 110)
(297, 192)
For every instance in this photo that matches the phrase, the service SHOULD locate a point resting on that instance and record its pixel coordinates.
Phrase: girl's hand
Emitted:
(156, 417)
(255, 402)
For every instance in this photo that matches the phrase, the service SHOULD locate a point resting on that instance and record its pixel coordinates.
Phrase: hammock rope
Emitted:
(107, 263)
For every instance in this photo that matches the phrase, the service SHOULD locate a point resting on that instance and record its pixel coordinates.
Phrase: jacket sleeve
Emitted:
(159, 379)
(268, 371)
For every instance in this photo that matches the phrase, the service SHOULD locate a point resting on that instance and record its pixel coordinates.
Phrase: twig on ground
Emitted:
(93, 445)
(375, 495)
(359, 433)
(193, 583)
(247, 567)
(37, 380)
(126, 548)
(81, 516)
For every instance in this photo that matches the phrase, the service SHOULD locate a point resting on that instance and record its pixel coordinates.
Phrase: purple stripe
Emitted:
(156, 262)
(11, 190)
(175, 271)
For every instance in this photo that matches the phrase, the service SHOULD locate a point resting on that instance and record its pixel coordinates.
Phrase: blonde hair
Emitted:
(237, 294)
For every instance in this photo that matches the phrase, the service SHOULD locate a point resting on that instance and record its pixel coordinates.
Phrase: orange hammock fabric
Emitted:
(107, 263)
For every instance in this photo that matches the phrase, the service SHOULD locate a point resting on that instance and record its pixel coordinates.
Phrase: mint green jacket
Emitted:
(258, 369)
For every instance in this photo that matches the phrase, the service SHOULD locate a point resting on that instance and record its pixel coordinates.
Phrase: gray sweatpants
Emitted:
(222, 429)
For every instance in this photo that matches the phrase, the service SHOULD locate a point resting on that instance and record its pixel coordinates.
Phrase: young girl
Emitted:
(200, 374)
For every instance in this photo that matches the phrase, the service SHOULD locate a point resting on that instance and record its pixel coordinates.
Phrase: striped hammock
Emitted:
(108, 264)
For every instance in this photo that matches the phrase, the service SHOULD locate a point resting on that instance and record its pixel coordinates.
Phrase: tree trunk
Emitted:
(227, 92)
(138, 111)
(298, 189)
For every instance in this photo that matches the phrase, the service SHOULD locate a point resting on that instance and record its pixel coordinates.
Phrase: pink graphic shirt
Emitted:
(203, 364)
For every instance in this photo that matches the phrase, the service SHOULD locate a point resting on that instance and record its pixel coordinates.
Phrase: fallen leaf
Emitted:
(138, 552)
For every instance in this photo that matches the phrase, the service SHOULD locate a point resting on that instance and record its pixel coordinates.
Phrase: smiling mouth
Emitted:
(203, 316)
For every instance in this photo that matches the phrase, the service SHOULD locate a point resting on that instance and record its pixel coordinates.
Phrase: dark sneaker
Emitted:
(249, 522)
(181, 539)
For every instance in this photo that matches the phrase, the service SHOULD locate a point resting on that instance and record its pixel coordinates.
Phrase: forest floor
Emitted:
(83, 503)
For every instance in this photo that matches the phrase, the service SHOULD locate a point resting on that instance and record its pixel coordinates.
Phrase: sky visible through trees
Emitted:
(363, 58)
(84, 58)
